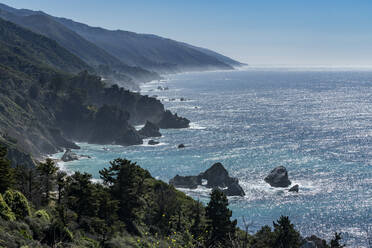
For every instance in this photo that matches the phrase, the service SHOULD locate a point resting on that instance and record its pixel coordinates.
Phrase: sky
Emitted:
(261, 32)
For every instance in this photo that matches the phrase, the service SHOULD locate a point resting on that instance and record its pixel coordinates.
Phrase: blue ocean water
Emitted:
(315, 122)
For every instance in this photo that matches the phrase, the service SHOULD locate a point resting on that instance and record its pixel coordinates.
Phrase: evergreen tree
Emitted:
(221, 229)
(125, 180)
(286, 235)
(48, 172)
(6, 171)
(81, 195)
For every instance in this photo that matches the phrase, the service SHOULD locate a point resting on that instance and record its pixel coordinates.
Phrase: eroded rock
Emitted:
(278, 177)
(216, 176)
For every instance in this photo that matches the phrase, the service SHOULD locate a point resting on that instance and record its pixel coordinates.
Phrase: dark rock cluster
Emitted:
(216, 177)
(149, 130)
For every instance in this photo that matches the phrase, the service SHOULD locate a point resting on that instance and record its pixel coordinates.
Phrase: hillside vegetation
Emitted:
(44, 207)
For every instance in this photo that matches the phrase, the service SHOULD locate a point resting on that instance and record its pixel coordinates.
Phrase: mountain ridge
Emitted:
(148, 51)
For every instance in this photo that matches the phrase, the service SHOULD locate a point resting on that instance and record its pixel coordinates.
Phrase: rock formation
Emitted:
(216, 176)
(153, 142)
(278, 177)
(295, 188)
(149, 130)
(169, 120)
(69, 156)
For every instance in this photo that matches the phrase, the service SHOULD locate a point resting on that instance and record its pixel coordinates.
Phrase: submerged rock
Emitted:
(216, 176)
(69, 156)
(152, 142)
(149, 130)
(278, 177)
(294, 188)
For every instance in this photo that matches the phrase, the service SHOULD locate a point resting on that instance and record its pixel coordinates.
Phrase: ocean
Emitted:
(317, 122)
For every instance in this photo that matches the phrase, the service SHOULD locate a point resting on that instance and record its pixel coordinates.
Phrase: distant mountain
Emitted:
(148, 51)
(105, 47)
(21, 48)
(104, 63)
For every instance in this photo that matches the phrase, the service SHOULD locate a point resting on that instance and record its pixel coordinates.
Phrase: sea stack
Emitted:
(216, 177)
(278, 177)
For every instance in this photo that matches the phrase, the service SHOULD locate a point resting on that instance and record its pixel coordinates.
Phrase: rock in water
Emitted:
(234, 189)
(278, 177)
(308, 244)
(169, 120)
(149, 130)
(294, 188)
(190, 182)
(216, 176)
(69, 156)
(181, 146)
(152, 142)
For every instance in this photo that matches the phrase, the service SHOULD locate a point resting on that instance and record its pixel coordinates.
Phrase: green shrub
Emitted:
(17, 203)
(5, 211)
(42, 214)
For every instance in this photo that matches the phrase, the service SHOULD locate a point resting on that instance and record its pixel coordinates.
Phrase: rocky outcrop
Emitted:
(314, 242)
(153, 142)
(294, 188)
(216, 177)
(190, 182)
(170, 120)
(234, 189)
(69, 156)
(278, 177)
(149, 130)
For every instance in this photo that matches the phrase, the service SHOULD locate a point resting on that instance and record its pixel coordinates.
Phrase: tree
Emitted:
(286, 235)
(28, 182)
(81, 195)
(17, 203)
(48, 172)
(335, 242)
(61, 183)
(6, 171)
(221, 229)
(125, 180)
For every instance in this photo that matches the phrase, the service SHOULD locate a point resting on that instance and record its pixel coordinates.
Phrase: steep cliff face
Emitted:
(43, 108)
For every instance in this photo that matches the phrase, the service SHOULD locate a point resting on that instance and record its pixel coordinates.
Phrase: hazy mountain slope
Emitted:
(148, 51)
(42, 106)
(218, 56)
(151, 52)
(21, 42)
(104, 63)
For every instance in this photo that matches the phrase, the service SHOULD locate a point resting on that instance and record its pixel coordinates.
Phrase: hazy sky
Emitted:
(307, 32)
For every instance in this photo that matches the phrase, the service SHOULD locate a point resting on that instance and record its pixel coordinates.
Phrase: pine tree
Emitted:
(82, 195)
(286, 235)
(6, 171)
(48, 171)
(126, 180)
(221, 229)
